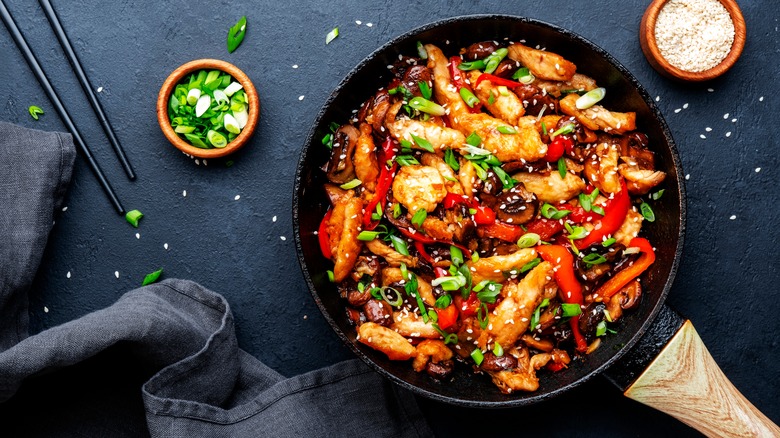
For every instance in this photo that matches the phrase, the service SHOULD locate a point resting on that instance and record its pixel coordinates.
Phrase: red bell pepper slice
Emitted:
(555, 366)
(324, 237)
(423, 253)
(622, 278)
(467, 307)
(440, 272)
(452, 199)
(614, 214)
(545, 228)
(500, 230)
(459, 82)
(447, 317)
(423, 239)
(484, 215)
(570, 290)
(385, 181)
(557, 147)
(495, 80)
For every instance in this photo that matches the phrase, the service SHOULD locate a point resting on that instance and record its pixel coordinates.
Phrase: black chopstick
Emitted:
(55, 100)
(76, 64)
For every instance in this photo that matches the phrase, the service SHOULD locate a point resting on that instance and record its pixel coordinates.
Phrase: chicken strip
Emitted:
(549, 187)
(630, 228)
(525, 145)
(343, 229)
(597, 117)
(467, 176)
(507, 107)
(639, 181)
(410, 324)
(393, 275)
(511, 317)
(451, 180)
(493, 268)
(601, 168)
(543, 64)
(393, 257)
(366, 167)
(440, 137)
(578, 82)
(430, 350)
(383, 339)
(419, 187)
(523, 377)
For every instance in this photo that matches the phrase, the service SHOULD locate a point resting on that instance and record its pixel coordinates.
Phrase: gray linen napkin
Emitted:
(202, 383)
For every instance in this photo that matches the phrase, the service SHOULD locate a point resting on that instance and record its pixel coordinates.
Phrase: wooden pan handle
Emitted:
(685, 382)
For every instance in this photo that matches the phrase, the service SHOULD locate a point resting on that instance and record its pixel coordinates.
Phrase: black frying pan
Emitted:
(652, 317)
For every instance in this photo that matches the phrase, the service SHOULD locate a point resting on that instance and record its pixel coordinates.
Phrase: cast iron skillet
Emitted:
(666, 233)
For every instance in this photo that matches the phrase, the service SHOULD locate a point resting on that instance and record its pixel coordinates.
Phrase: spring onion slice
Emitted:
(443, 301)
(591, 98)
(530, 265)
(423, 143)
(477, 356)
(570, 309)
(193, 96)
(647, 212)
(397, 302)
(367, 236)
(231, 89)
(507, 130)
(495, 58)
(474, 140)
(331, 276)
(657, 195)
(468, 97)
(498, 350)
(153, 277)
(421, 51)
(567, 129)
(425, 89)
(203, 104)
(34, 111)
(351, 184)
(601, 328)
(332, 35)
(216, 139)
(456, 255)
(528, 240)
(236, 34)
(426, 106)
(449, 158)
(594, 259)
(489, 293)
(231, 124)
(562, 167)
(133, 216)
(472, 65)
(524, 76)
(419, 217)
(399, 245)
(607, 243)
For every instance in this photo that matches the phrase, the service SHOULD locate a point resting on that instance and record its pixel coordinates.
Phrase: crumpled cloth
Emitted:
(177, 334)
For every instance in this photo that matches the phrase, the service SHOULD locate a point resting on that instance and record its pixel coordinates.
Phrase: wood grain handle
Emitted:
(685, 382)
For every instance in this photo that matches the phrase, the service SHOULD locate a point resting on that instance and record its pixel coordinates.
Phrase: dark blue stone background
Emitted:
(728, 280)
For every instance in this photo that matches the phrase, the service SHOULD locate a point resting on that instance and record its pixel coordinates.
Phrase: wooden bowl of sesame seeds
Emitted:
(692, 40)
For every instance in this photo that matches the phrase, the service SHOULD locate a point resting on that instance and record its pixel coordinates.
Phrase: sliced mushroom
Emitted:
(516, 206)
(340, 167)
(626, 298)
(535, 99)
(491, 362)
(413, 76)
(479, 50)
(591, 316)
(378, 312)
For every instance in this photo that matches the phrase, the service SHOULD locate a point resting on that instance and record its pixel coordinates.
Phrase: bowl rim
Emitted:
(176, 76)
(650, 49)
(538, 397)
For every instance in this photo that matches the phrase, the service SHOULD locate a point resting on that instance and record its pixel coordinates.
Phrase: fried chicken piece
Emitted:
(366, 166)
(550, 187)
(343, 229)
(440, 137)
(383, 339)
(493, 268)
(599, 118)
(507, 107)
(543, 64)
(419, 187)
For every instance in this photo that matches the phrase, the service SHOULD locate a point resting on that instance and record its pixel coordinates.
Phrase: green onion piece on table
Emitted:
(151, 278)
(236, 34)
(133, 216)
(34, 111)
(331, 35)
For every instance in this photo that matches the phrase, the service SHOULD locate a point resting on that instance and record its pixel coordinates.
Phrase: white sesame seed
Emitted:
(358, 22)
(45, 309)
(295, 66)
(273, 219)
(100, 89)
(65, 208)
(708, 129)
(710, 90)
(237, 197)
(657, 98)
(702, 136)
(761, 99)
(685, 106)
(137, 235)
(165, 245)
(197, 162)
(758, 169)
(687, 177)
(282, 237)
(116, 274)
(184, 193)
(68, 274)
(678, 110)
(725, 116)
(369, 24)
(734, 120)
(728, 134)
(301, 97)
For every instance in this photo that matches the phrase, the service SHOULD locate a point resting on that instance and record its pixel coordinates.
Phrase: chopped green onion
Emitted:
(507, 181)
(477, 356)
(507, 130)
(133, 216)
(449, 283)
(422, 143)
(523, 75)
(591, 98)
(489, 293)
(181, 129)
(472, 211)
(502, 90)
(426, 106)
(193, 96)
(396, 210)
(151, 278)
(492, 61)
(537, 314)
(216, 139)
(607, 243)
(425, 90)
(404, 271)
(631, 250)
(433, 316)
(528, 240)
(474, 139)
(570, 309)
(481, 173)
(647, 212)
(406, 160)
(331, 35)
(601, 328)
(657, 195)
(562, 170)
(411, 289)
(472, 65)
(498, 350)
(468, 97)
(399, 245)
(594, 259)
(351, 184)
(456, 255)
(473, 150)
(607, 316)
(567, 129)
(421, 51)
(483, 316)
(34, 111)
(550, 212)
(406, 145)
(236, 34)
(443, 301)
(202, 105)
(367, 236)
(491, 98)
(575, 233)
(331, 276)
(231, 124)
(574, 248)
(397, 302)
(474, 257)
(377, 214)
(580, 91)
(544, 129)
(451, 160)
(585, 201)
(598, 209)
(419, 217)
(530, 265)
(196, 141)
(233, 88)
(465, 273)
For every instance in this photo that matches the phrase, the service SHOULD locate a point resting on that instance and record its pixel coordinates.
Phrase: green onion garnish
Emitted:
(399, 245)
(449, 338)
(406, 145)
(530, 265)
(449, 283)
(591, 98)
(422, 143)
(507, 181)
(647, 212)
(456, 255)
(133, 216)
(544, 129)
(481, 172)
(451, 160)
(404, 271)
(351, 184)
(421, 51)
(507, 130)
(483, 316)
(216, 139)
(491, 98)
(406, 160)
(367, 236)
(523, 75)
(331, 35)
(472, 65)
(498, 350)
(426, 106)
(607, 243)
(562, 167)
(477, 356)
(236, 34)
(396, 210)
(465, 273)
(443, 301)
(598, 209)
(585, 201)
(601, 328)
(34, 111)
(474, 257)
(570, 309)
(492, 61)
(397, 302)
(657, 195)
(377, 214)
(411, 289)
(537, 314)
(550, 212)
(473, 139)
(489, 293)
(575, 233)
(425, 89)
(567, 129)
(594, 259)
(331, 276)
(151, 278)
(468, 97)
(419, 217)
(528, 240)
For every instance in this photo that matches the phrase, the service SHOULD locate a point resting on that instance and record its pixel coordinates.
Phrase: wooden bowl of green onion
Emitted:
(208, 108)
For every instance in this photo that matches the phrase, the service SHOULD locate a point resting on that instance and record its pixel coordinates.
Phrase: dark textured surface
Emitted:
(728, 276)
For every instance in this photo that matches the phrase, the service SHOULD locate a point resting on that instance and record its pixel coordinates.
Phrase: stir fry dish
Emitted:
(486, 209)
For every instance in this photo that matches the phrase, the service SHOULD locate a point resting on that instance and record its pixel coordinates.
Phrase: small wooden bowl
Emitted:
(207, 64)
(653, 55)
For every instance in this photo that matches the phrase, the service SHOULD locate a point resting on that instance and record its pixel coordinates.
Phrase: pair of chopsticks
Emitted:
(44, 81)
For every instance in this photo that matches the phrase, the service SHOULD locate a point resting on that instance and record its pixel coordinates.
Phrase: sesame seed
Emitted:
(305, 316)
(708, 129)
(137, 235)
(685, 106)
(702, 136)
(734, 120)
(273, 219)
(65, 208)
(687, 177)
(184, 193)
(725, 116)
(733, 216)
(45, 309)
(710, 90)
(301, 97)
(165, 245)
(758, 169)
(237, 197)
(116, 274)
(369, 24)
(728, 134)
(657, 98)
(100, 89)
(358, 22)
(678, 110)
(761, 99)
(282, 237)
(68, 274)
(295, 66)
